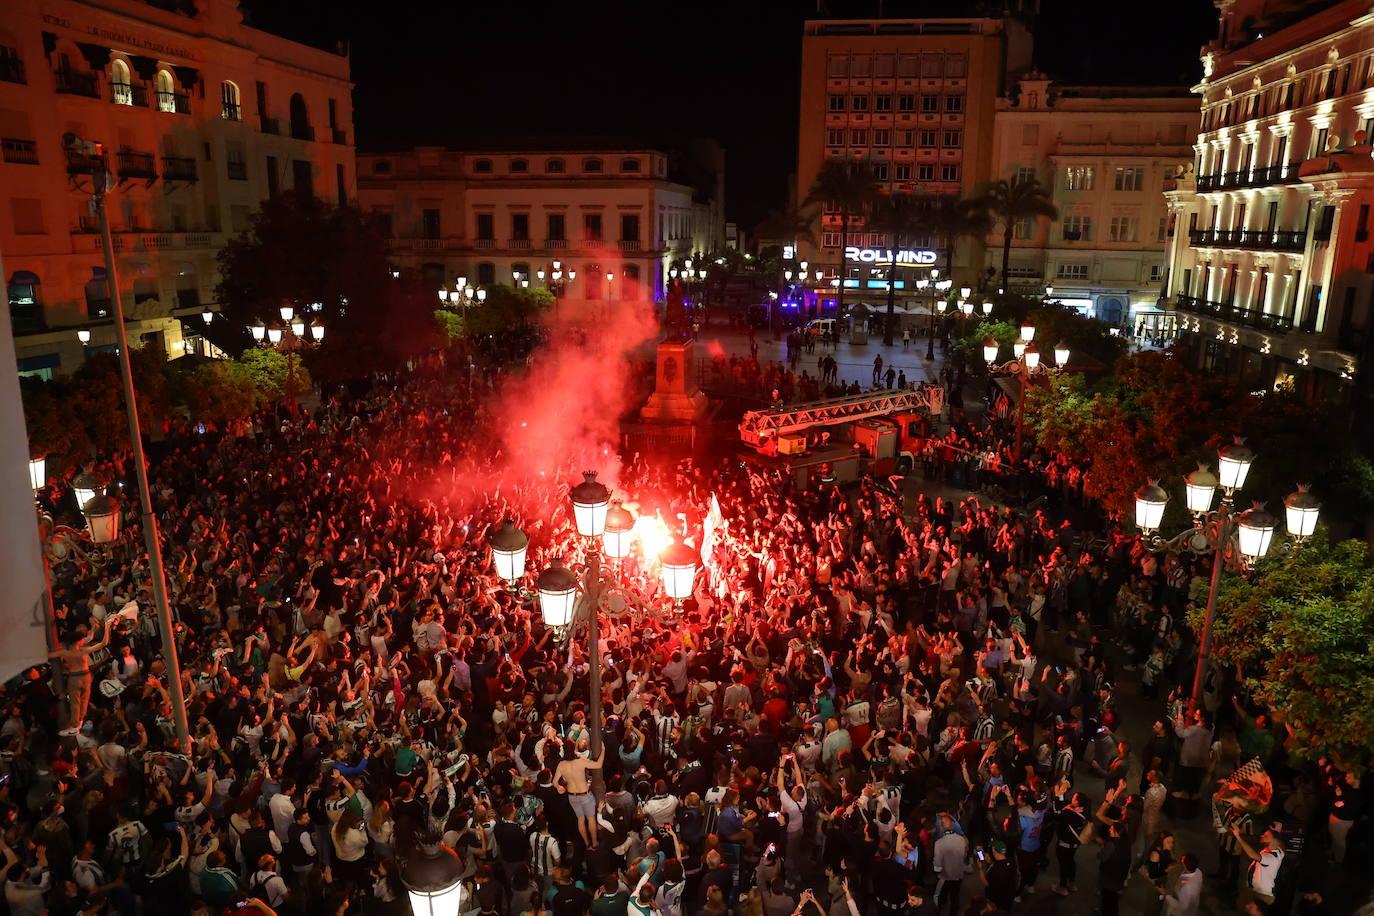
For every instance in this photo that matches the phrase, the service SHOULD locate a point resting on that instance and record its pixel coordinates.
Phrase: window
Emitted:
(519, 166)
(121, 89)
(234, 163)
(341, 184)
(486, 274)
(903, 171)
(1077, 228)
(591, 227)
(629, 227)
(837, 103)
(834, 136)
(830, 240)
(273, 179)
(952, 138)
(882, 103)
(949, 172)
(481, 166)
(882, 138)
(381, 167)
(858, 137)
(927, 138)
(591, 165)
(1156, 273)
(166, 91)
(486, 226)
(880, 171)
(1072, 271)
(1319, 144)
(908, 137)
(906, 102)
(1129, 178)
(930, 103)
(1122, 229)
(1162, 229)
(303, 177)
(629, 165)
(429, 224)
(1030, 134)
(229, 107)
(954, 103)
(520, 226)
(858, 103)
(554, 166)
(381, 218)
(925, 172)
(557, 227)
(28, 215)
(1078, 178)
(1025, 173)
(1024, 228)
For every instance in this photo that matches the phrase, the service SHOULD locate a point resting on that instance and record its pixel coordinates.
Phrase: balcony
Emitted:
(230, 111)
(12, 70)
(74, 82)
(21, 152)
(173, 102)
(1290, 240)
(128, 94)
(269, 125)
(80, 163)
(484, 243)
(555, 244)
(302, 131)
(136, 165)
(338, 136)
(1229, 312)
(629, 244)
(517, 243)
(178, 168)
(1283, 173)
(237, 171)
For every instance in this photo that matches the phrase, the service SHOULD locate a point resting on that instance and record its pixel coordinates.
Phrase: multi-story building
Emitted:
(1271, 258)
(202, 118)
(614, 217)
(1105, 152)
(917, 99)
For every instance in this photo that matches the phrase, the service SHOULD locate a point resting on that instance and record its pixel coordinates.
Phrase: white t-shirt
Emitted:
(1265, 872)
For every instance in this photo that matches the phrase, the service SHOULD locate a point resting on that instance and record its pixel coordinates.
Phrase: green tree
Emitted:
(221, 390)
(1300, 632)
(452, 327)
(850, 187)
(96, 390)
(55, 429)
(952, 218)
(1016, 198)
(508, 309)
(274, 375)
(902, 218)
(790, 225)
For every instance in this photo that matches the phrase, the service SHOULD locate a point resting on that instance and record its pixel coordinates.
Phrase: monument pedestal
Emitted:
(676, 397)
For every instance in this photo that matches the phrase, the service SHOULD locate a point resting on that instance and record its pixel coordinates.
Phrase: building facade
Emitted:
(915, 97)
(1271, 257)
(611, 220)
(202, 117)
(1105, 153)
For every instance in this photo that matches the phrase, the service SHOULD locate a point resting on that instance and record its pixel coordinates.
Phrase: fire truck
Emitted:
(841, 439)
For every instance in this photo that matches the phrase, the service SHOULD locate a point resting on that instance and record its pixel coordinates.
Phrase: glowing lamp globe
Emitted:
(1032, 357)
(259, 331)
(1255, 529)
(965, 292)
(679, 564)
(274, 335)
(317, 331)
(1302, 509)
(942, 305)
(990, 348)
(432, 876)
(787, 275)
(86, 486)
(557, 587)
(102, 518)
(287, 312)
(298, 327)
(1150, 501)
(462, 282)
(84, 335)
(987, 307)
(1233, 464)
(1028, 332)
(207, 316)
(1049, 291)
(508, 547)
(590, 501)
(1198, 489)
(38, 472)
(1018, 348)
(481, 295)
(966, 307)
(1061, 354)
(619, 524)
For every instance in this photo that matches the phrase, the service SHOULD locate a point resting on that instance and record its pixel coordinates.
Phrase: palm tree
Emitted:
(951, 218)
(902, 217)
(850, 186)
(1013, 199)
(790, 225)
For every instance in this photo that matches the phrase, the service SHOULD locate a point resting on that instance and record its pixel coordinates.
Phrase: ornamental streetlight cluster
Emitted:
(1025, 363)
(556, 279)
(1240, 539)
(292, 331)
(462, 295)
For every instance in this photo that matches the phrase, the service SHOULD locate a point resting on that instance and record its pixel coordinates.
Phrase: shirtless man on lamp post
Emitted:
(76, 672)
(573, 780)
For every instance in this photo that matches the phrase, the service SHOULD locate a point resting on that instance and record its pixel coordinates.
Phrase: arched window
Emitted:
(166, 91)
(229, 108)
(519, 165)
(591, 165)
(300, 119)
(554, 166)
(482, 166)
(629, 165)
(121, 88)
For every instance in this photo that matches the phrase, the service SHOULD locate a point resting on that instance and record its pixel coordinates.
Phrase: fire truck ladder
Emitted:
(759, 425)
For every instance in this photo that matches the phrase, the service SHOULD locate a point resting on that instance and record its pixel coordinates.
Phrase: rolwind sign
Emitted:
(921, 256)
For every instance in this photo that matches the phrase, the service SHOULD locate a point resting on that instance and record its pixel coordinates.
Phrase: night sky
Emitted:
(725, 69)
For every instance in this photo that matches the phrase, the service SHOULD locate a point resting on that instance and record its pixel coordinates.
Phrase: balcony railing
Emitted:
(230, 111)
(629, 244)
(302, 131)
(1249, 178)
(269, 125)
(484, 243)
(12, 70)
(136, 165)
(1292, 240)
(178, 168)
(517, 243)
(238, 171)
(74, 82)
(22, 152)
(1227, 311)
(555, 244)
(80, 163)
(173, 102)
(338, 136)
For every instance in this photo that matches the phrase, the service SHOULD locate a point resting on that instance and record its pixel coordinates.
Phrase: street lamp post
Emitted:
(1238, 538)
(294, 334)
(101, 182)
(1026, 363)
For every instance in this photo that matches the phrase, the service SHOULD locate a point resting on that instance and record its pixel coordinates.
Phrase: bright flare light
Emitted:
(653, 535)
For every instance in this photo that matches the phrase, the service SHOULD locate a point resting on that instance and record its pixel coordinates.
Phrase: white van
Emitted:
(819, 327)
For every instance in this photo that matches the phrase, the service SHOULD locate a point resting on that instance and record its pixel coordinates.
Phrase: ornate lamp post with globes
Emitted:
(1025, 364)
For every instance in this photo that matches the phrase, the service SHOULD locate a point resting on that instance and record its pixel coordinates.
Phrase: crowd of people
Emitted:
(875, 702)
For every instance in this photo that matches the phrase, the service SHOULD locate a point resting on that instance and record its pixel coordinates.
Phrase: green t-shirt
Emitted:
(611, 904)
(405, 759)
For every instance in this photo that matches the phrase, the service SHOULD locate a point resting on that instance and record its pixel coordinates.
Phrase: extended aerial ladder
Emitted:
(759, 427)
